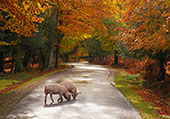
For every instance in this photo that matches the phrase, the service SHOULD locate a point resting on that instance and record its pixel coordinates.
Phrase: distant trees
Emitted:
(93, 47)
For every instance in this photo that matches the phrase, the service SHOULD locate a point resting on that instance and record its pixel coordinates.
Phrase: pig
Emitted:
(71, 88)
(56, 89)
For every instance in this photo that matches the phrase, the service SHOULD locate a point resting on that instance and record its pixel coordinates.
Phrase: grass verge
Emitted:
(129, 87)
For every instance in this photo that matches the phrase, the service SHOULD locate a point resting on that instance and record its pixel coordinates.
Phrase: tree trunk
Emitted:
(44, 60)
(116, 57)
(18, 60)
(1, 62)
(162, 69)
(60, 35)
(51, 65)
(27, 60)
(12, 66)
(66, 58)
(162, 66)
(57, 56)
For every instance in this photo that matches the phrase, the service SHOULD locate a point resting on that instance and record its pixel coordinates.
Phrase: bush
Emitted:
(150, 70)
(133, 77)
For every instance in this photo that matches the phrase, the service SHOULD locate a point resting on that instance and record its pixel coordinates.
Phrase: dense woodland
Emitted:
(43, 33)
(130, 34)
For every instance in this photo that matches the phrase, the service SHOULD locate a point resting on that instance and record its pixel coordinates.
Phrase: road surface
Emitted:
(99, 99)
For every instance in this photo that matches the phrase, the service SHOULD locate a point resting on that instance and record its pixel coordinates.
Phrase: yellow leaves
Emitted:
(26, 6)
(86, 36)
(39, 5)
(85, 16)
(23, 15)
(76, 16)
(3, 43)
(8, 44)
(13, 43)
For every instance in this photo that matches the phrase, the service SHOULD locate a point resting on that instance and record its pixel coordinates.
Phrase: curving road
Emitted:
(99, 99)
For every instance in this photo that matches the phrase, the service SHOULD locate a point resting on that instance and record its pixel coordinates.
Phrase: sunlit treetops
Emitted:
(84, 16)
(21, 16)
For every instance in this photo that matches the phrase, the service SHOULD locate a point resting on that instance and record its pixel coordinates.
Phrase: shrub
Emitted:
(150, 70)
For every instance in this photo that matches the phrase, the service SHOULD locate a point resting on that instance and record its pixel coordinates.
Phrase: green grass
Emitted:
(127, 84)
(17, 76)
(5, 83)
(25, 76)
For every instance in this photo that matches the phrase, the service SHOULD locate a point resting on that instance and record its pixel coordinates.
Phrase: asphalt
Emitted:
(98, 98)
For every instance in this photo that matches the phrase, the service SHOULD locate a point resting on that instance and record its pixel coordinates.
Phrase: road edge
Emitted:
(111, 78)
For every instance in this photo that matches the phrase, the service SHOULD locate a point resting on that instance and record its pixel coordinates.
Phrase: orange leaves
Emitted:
(78, 16)
(147, 25)
(83, 16)
(22, 15)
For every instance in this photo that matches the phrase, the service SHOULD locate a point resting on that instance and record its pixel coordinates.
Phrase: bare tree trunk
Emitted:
(161, 58)
(162, 69)
(18, 60)
(12, 66)
(51, 65)
(116, 57)
(57, 56)
(27, 60)
(1, 62)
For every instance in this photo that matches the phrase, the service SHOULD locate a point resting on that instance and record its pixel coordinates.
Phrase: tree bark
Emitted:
(116, 57)
(51, 65)
(18, 60)
(162, 66)
(57, 56)
(12, 66)
(162, 69)
(1, 62)
(44, 60)
(60, 35)
(27, 60)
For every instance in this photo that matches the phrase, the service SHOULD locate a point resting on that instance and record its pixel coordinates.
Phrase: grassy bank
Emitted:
(131, 86)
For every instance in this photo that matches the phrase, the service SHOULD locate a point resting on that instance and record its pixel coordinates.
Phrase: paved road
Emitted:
(99, 99)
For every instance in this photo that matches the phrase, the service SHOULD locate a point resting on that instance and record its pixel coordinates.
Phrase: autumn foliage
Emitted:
(41, 33)
(148, 24)
(21, 16)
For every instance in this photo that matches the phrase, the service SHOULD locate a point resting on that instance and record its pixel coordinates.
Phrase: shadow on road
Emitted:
(60, 104)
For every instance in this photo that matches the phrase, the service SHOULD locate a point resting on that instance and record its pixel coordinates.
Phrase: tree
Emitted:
(60, 20)
(8, 39)
(71, 46)
(94, 49)
(111, 41)
(72, 18)
(148, 28)
(22, 15)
